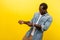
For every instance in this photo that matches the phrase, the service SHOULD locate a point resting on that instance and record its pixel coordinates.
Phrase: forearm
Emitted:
(25, 22)
(37, 26)
(31, 24)
(28, 23)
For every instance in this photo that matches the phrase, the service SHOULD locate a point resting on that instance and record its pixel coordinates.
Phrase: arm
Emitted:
(44, 26)
(29, 23)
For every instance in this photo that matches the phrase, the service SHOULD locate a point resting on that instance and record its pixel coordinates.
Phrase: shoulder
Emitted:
(49, 17)
(36, 13)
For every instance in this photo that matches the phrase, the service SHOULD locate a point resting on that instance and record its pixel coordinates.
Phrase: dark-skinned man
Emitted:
(39, 23)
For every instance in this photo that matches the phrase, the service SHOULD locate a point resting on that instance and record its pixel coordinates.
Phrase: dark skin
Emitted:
(31, 24)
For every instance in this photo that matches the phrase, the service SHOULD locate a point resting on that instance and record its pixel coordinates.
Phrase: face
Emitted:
(41, 10)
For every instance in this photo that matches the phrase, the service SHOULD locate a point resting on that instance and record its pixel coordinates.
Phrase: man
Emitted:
(40, 23)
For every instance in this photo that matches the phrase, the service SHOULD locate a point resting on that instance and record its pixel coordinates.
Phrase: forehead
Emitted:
(41, 7)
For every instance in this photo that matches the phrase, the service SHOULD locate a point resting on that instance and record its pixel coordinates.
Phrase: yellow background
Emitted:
(13, 10)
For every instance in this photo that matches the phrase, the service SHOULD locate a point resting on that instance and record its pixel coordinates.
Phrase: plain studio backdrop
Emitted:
(11, 11)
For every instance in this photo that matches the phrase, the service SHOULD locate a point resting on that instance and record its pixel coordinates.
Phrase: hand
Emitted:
(21, 22)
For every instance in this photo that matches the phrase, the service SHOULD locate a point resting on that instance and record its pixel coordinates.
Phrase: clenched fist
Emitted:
(21, 22)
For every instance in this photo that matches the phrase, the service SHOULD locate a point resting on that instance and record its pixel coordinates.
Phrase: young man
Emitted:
(39, 23)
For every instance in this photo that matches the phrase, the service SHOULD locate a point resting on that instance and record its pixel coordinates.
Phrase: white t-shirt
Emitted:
(32, 33)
